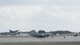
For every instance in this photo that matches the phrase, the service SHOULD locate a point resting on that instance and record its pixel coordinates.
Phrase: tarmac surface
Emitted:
(56, 40)
(42, 43)
(10, 39)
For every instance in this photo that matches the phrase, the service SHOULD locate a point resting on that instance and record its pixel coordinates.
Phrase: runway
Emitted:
(11, 39)
(42, 43)
(56, 40)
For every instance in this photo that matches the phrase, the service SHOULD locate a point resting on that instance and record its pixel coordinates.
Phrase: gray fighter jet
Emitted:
(40, 34)
(10, 32)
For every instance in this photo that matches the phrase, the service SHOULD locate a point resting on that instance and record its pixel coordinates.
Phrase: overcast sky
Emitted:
(49, 15)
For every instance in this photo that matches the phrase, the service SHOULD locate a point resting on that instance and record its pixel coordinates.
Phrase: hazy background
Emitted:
(49, 15)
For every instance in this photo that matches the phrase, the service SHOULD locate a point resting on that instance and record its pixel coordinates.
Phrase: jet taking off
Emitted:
(40, 34)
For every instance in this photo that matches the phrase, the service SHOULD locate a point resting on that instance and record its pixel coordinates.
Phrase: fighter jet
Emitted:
(16, 31)
(10, 32)
(75, 35)
(40, 34)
